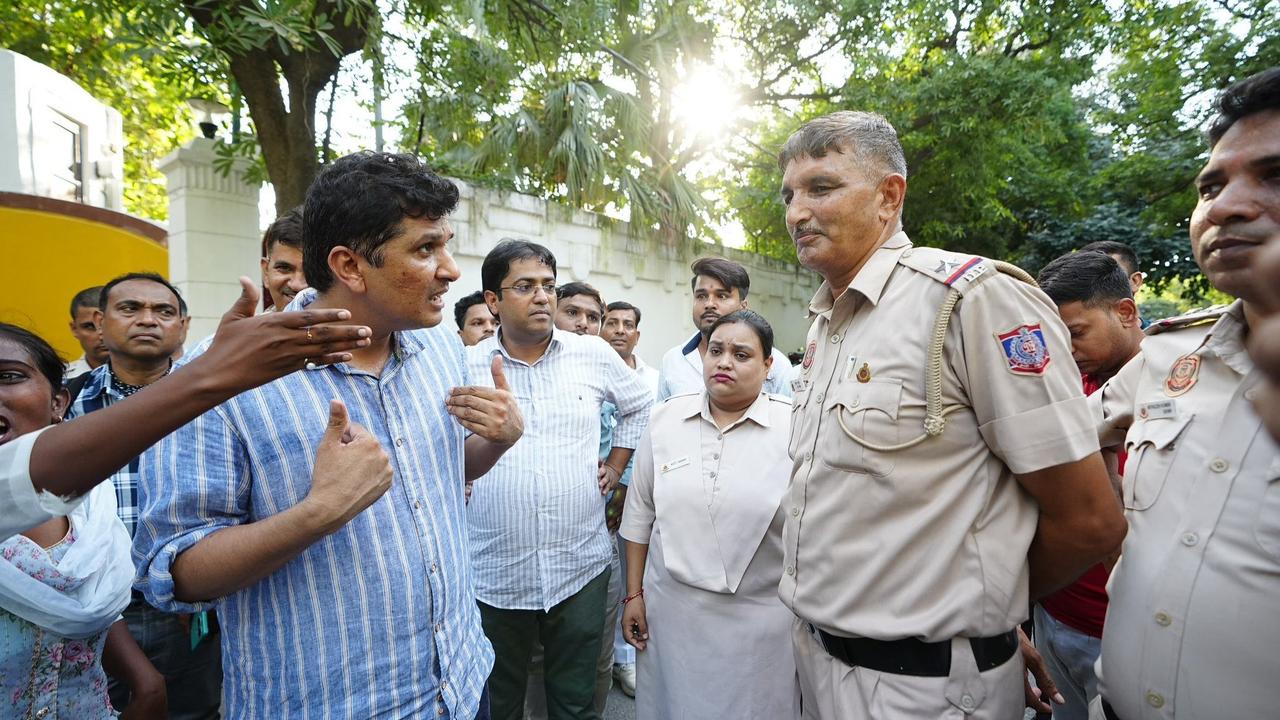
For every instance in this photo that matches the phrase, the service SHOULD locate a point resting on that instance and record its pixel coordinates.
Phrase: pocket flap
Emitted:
(883, 395)
(1159, 432)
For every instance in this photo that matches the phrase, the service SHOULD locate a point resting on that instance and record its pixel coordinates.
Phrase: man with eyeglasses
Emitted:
(536, 521)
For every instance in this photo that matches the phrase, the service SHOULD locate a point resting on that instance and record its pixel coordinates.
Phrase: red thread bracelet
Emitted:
(629, 598)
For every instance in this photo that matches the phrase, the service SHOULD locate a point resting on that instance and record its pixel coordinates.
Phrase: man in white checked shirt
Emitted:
(538, 540)
(341, 572)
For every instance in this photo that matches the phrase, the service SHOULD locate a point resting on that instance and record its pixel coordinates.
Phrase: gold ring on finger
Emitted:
(310, 337)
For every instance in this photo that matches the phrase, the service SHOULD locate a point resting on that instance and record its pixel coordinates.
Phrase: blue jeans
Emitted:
(1069, 655)
(193, 678)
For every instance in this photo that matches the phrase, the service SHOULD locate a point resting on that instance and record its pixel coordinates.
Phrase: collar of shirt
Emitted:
(692, 345)
(495, 344)
(870, 280)
(757, 413)
(96, 393)
(1226, 339)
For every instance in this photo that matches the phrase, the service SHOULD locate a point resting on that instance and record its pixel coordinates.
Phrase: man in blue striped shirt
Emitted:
(540, 547)
(341, 572)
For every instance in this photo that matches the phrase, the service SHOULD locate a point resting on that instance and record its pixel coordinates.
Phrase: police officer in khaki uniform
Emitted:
(936, 415)
(1193, 630)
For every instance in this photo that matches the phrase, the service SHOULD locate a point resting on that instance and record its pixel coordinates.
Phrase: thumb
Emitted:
(244, 305)
(336, 431)
(499, 377)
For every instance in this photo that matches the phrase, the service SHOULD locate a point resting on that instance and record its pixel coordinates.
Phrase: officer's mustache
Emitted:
(805, 230)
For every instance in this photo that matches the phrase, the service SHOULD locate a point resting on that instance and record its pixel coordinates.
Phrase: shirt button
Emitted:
(1190, 539)
(966, 702)
(417, 505)
(1163, 619)
(433, 568)
(439, 627)
(835, 339)
(440, 711)
(808, 457)
(713, 473)
(715, 456)
(42, 712)
(1219, 465)
(1155, 700)
(791, 570)
(399, 442)
(795, 512)
(820, 396)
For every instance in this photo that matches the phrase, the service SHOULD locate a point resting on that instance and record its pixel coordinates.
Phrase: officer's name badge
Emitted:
(797, 386)
(675, 464)
(1157, 410)
(1025, 350)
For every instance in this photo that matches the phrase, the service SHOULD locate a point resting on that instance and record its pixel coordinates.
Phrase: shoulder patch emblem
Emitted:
(1025, 350)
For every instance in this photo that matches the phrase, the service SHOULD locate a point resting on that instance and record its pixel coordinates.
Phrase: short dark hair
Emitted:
(1089, 277)
(461, 307)
(568, 290)
(1257, 93)
(88, 297)
(46, 358)
(729, 273)
(148, 276)
(508, 250)
(623, 305)
(869, 137)
(360, 201)
(1128, 258)
(286, 230)
(751, 319)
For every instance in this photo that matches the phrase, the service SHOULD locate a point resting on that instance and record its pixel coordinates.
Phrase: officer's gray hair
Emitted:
(867, 136)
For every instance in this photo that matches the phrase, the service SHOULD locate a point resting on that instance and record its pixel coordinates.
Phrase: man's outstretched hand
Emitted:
(249, 351)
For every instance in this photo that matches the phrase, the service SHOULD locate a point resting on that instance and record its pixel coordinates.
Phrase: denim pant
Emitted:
(193, 678)
(1069, 655)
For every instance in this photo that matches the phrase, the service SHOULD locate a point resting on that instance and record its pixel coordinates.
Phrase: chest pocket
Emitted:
(1152, 445)
(1266, 528)
(866, 410)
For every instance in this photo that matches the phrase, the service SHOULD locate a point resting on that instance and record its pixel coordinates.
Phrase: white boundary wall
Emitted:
(214, 238)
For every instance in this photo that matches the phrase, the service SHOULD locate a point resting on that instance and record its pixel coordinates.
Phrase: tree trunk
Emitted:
(287, 137)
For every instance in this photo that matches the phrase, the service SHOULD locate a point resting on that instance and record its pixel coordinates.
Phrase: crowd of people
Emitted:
(974, 493)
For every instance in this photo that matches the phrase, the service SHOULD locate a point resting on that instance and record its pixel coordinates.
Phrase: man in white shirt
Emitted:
(86, 332)
(539, 545)
(719, 287)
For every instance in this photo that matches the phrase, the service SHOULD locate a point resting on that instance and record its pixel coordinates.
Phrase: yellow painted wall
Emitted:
(46, 258)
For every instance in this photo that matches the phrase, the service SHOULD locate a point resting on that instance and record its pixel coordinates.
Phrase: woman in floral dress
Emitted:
(63, 583)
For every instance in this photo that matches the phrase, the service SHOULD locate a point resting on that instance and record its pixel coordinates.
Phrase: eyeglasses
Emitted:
(531, 288)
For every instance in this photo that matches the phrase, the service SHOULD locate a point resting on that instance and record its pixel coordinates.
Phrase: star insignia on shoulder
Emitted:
(945, 268)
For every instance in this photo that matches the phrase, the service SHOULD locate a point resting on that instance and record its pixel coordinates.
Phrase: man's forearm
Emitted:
(618, 458)
(637, 555)
(480, 455)
(234, 558)
(1059, 555)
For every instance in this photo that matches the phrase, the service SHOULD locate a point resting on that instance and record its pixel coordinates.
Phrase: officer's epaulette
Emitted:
(955, 270)
(1191, 319)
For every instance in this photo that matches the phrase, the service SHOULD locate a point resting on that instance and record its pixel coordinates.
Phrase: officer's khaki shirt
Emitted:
(1193, 628)
(928, 542)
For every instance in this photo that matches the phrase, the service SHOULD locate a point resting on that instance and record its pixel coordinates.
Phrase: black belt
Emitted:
(1108, 712)
(911, 656)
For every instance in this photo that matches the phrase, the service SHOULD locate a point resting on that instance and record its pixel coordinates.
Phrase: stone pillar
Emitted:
(213, 233)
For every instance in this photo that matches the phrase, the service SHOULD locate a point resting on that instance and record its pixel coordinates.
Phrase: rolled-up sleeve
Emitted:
(23, 506)
(1031, 420)
(631, 396)
(638, 513)
(191, 484)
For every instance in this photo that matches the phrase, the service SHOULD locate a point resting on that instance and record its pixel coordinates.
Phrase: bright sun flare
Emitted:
(706, 102)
